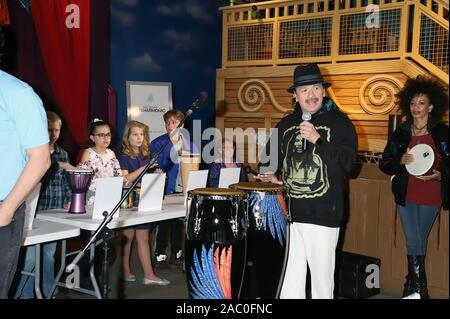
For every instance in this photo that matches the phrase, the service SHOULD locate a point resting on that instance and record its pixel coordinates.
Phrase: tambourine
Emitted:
(423, 160)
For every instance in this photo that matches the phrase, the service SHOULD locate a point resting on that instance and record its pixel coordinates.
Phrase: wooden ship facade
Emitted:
(366, 50)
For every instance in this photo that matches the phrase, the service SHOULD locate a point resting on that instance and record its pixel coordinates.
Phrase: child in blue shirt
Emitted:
(133, 159)
(168, 163)
(226, 159)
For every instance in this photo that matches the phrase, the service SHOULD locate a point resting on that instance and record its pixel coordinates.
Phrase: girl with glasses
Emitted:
(98, 156)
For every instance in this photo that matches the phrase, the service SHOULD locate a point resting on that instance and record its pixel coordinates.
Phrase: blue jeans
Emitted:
(25, 287)
(417, 221)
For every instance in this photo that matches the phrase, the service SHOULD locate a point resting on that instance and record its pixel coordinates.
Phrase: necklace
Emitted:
(419, 133)
(420, 128)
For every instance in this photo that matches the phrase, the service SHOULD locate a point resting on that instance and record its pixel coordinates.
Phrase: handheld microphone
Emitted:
(306, 116)
(444, 148)
(202, 99)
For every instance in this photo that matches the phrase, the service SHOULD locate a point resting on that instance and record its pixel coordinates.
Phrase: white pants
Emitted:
(315, 246)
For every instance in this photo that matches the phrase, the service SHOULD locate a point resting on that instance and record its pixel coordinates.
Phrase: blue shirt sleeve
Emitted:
(243, 177)
(28, 109)
(214, 174)
(164, 157)
(123, 161)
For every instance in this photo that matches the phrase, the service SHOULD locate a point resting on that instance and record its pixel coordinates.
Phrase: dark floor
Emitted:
(136, 290)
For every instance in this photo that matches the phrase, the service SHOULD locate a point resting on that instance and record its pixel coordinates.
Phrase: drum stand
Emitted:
(102, 229)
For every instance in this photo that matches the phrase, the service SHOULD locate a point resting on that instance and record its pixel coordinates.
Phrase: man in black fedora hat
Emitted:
(316, 154)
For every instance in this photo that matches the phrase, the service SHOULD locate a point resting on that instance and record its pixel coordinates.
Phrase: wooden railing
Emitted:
(334, 31)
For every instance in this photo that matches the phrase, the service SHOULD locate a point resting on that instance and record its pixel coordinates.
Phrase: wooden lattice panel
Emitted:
(305, 38)
(434, 43)
(356, 38)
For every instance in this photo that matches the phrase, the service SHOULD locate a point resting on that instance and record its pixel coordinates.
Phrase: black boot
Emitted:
(408, 289)
(420, 277)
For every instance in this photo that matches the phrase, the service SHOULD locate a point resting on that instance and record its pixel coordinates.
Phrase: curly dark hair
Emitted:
(430, 87)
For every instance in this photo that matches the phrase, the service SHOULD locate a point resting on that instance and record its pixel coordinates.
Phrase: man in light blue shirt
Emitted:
(25, 157)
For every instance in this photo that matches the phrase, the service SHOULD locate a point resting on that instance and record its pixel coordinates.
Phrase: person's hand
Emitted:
(6, 215)
(158, 171)
(407, 158)
(308, 132)
(436, 176)
(268, 178)
(126, 182)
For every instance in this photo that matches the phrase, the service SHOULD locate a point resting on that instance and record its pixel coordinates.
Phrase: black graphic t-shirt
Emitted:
(316, 179)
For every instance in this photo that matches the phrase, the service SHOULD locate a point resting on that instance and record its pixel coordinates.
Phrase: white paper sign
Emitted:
(229, 176)
(196, 179)
(30, 207)
(107, 194)
(147, 102)
(152, 191)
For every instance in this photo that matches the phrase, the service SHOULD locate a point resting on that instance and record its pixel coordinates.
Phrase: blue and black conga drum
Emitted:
(267, 240)
(215, 245)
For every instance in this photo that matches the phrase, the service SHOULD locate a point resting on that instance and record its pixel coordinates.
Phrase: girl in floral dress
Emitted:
(98, 156)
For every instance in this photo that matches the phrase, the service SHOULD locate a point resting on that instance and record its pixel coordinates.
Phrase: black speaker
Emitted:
(358, 276)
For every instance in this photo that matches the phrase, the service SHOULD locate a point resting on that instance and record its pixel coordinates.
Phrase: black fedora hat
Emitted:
(306, 75)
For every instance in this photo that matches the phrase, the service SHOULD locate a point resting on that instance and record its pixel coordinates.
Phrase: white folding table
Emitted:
(173, 207)
(44, 232)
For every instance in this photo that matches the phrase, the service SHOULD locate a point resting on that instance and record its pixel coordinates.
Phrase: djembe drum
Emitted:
(267, 235)
(425, 160)
(215, 244)
(79, 180)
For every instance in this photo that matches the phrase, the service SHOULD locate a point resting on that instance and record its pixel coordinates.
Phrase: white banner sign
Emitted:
(147, 102)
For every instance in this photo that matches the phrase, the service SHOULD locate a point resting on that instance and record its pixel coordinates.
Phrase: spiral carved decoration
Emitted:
(252, 95)
(386, 87)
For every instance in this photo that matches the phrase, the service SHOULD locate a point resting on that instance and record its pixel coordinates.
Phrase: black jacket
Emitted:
(317, 179)
(396, 147)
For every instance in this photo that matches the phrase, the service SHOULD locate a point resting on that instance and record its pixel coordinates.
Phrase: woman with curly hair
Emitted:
(422, 102)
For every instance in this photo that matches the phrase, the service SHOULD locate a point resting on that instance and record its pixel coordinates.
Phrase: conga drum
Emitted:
(79, 181)
(215, 243)
(267, 235)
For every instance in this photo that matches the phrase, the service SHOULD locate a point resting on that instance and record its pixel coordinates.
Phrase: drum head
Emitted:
(79, 171)
(258, 186)
(217, 191)
(423, 159)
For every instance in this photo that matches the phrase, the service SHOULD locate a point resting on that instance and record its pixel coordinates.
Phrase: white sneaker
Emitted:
(412, 296)
(161, 258)
(130, 278)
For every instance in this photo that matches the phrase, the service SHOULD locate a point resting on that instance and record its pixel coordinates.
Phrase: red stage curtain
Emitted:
(4, 13)
(65, 52)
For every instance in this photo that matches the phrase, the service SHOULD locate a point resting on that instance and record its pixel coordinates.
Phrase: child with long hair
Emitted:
(98, 156)
(133, 159)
